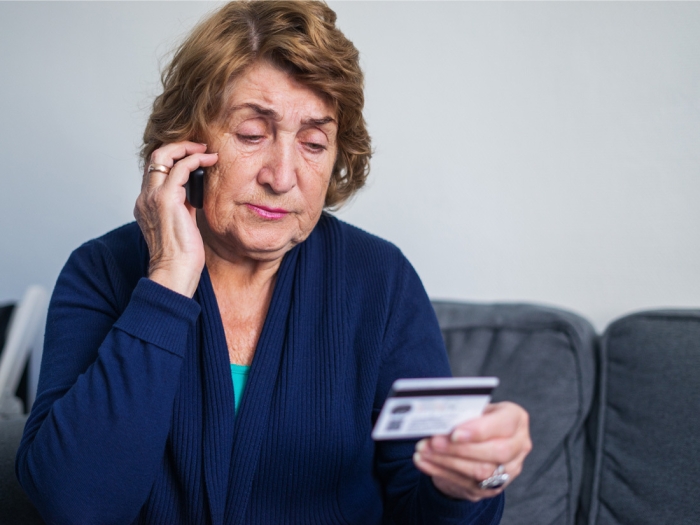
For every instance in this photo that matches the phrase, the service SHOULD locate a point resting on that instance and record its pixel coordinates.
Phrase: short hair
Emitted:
(299, 37)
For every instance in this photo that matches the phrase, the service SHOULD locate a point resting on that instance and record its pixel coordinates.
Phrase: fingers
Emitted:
(180, 172)
(455, 483)
(498, 420)
(476, 470)
(163, 190)
(471, 469)
(168, 155)
(496, 451)
(157, 185)
(499, 436)
(499, 451)
(471, 454)
(168, 222)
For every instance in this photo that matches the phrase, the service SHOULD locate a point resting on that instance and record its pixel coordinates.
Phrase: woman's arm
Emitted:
(113, 350)
(414, 348)
(110, 370)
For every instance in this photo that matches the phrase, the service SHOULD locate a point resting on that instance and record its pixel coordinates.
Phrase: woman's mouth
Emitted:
(266, 212)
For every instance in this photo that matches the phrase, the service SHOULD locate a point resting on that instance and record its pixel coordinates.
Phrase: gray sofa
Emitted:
(613, 418)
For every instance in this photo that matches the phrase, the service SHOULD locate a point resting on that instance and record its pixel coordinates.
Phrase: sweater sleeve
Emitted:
(414, 348)
(112, 357)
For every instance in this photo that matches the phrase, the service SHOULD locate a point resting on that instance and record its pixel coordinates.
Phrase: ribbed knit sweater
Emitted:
(134, 417)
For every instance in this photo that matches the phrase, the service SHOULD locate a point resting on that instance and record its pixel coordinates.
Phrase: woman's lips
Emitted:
(267, 213)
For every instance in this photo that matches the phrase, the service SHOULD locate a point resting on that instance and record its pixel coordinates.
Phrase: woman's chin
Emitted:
(264, 247)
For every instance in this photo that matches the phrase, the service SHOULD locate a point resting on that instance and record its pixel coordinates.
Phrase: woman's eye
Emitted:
(316, 148)
(250, 139)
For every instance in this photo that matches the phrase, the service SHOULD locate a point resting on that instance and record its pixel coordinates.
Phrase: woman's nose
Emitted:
(279, 171)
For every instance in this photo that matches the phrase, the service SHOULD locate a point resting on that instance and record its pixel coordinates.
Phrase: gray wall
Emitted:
(543, 152)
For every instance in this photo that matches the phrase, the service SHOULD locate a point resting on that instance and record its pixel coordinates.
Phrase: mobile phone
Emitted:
(417, 408)
(195, 188)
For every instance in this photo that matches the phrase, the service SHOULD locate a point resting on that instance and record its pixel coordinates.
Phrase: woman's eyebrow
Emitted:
(272, 114)
(263, 112)
(318, 121)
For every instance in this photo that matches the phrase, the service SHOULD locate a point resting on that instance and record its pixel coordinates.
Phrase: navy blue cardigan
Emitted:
(134, 418)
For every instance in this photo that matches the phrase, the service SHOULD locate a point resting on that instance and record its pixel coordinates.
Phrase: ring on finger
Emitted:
(158, 167)
(497, 479)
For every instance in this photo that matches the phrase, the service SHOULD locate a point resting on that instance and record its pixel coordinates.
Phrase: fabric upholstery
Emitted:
(544, 358)
(645, 425)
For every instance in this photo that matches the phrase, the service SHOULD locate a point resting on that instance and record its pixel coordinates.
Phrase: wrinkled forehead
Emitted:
(267, 91)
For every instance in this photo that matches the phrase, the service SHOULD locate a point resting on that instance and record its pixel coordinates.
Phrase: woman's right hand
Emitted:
(167, 220)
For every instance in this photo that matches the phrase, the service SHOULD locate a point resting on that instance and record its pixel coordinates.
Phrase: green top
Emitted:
(239, 374)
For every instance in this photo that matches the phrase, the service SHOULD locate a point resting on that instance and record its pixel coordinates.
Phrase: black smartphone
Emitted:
(195, 188)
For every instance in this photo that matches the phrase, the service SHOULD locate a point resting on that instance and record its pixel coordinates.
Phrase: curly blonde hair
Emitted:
(300, 38)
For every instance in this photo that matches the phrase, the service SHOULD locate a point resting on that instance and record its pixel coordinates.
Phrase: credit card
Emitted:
(417, 408)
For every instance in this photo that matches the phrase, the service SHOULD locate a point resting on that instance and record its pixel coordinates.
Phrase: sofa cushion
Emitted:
(544, 358)
(645, 425)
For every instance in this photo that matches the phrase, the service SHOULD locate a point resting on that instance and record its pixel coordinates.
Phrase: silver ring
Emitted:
(158, 167)
(497, 479)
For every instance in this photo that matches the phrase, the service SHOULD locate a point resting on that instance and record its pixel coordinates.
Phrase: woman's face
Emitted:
(277, 147)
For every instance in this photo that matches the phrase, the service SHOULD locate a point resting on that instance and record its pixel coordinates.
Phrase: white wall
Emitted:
(542, 152)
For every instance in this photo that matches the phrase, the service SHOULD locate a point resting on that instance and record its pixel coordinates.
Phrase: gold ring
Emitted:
(158, 167)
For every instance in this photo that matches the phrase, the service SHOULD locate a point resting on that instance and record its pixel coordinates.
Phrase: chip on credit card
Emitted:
(417, 408)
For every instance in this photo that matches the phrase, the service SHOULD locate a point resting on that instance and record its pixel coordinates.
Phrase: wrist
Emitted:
(182, 281)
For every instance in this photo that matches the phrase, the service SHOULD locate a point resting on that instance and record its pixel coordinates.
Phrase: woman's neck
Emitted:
(241, 274)
(243, 290)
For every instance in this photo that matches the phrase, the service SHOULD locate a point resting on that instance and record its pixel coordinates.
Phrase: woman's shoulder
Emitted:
(127, 236)
(119, 255)
(124, 243)
(363, 245)
(372, 263)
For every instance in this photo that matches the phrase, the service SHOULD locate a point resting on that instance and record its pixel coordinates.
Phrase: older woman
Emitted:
(225, 365)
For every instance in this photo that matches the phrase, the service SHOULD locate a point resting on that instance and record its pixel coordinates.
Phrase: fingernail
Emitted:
(420, 446)
(417, 458)
(460, 435)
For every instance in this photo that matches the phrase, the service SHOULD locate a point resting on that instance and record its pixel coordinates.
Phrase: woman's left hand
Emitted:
(459, 462)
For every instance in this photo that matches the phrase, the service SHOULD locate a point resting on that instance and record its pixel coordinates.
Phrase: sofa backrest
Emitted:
(545, 359)
(644, 430)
